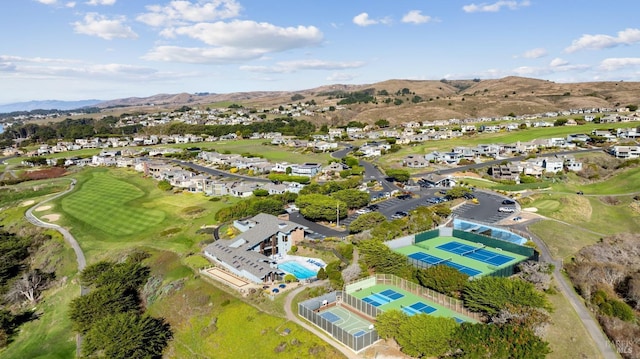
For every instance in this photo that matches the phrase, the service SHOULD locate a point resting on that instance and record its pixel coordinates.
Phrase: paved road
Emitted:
(371, 172)
(340, 154)
(65, 233)
(318, 228)
(80, 259)
(310, 327)
(216, 172)
(497, 162)
(593, 328)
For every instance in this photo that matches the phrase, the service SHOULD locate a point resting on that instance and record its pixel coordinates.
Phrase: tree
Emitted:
(382, 123)
(366, 221)
(318, 207)
(490, 294)
(632, 108)
(423, 335)
(30, 286)
(443, 279)
(352, 197)
(127, 335)
(458, 192)
(13, 251)
(164, 185)
(398, 175)
(498, 341)
(85, 310)
(560, 122)
(260, 192)
(322, 274)
(388, 323)
(380, 258)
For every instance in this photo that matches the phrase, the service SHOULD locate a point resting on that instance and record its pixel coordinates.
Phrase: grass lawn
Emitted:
(49, 336)
(209, 322)
(270, 152)
(117, 209)
(566, 335)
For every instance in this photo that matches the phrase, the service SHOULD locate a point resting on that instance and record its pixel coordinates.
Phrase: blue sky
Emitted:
(107, 49)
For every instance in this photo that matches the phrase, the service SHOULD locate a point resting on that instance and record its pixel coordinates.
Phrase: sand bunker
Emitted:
(51, 217)
(28, 203)
(530, 209)
(43, 208)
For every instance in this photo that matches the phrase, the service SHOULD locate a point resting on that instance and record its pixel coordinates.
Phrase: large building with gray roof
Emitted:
(253, 253)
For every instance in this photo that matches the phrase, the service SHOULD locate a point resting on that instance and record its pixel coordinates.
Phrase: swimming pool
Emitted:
(297, 269)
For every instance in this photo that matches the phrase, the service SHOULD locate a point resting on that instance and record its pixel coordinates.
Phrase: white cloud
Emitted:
(617, 63)
(99, 25)
(70, 4)
(250, 36)
(535, 53)
(180, 12)
(340, 77)
(47, 2)
(364, 20)
(200, 55)
(600, 41)
(415, 17)
(52, 67)
(100, 2)
(294, 66)
(495, 7)
(557, 62)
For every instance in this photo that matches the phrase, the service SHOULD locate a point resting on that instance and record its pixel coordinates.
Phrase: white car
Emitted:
(363, 211)
(506, 209)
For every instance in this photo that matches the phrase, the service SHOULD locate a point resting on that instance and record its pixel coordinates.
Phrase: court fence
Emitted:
(454, 304)
(308, 310)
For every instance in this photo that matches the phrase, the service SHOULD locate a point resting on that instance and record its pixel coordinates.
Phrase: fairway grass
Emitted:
(108, 204)
(118, 209)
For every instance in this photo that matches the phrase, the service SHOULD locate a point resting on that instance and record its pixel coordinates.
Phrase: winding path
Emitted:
(80, 259)
(310, 327)
(593, 328)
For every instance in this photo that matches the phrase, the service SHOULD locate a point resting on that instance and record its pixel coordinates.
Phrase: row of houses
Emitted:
(535, 167)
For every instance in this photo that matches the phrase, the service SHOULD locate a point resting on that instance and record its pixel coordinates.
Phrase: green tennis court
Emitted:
(470, 258)
(347, 320)
(405, 301)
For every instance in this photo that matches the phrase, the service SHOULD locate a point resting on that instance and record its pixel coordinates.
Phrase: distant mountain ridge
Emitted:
(396, 100)
(47, 105)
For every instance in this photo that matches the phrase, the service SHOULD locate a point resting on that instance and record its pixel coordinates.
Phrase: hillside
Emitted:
(438, 99)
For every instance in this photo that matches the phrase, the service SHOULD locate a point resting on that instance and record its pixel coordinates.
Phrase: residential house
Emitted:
(306, 169)
(415, 161)
(252, 253)
(625, 152)
(506, 173)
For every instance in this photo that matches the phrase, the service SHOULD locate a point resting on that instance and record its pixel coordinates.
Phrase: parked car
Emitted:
(399, 214)
(506, 209)
(363, 210)
(580, 193)
(517, 218)
(508, 201)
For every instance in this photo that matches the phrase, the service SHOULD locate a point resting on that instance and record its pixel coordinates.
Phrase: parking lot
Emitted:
(486, 210)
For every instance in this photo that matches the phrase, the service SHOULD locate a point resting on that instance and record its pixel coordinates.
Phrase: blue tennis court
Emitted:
(417, 308)
(371, 301)
(330, 317)
(433, 260)
(392, 294)
(477, 253)
(359, 333)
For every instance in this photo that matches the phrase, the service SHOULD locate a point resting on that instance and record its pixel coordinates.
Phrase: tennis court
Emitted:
(478, 253)
(407, 302)
(472, 259)
(347, 320)
(384, 297)
(418, 307)
(433, 260)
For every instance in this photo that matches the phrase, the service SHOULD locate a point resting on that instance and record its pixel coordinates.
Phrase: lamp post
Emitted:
(337, 214)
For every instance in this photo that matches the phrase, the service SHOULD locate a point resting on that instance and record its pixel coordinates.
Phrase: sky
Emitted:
(109, 49)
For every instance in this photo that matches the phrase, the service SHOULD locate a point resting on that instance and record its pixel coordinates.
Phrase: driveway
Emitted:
(315, 227)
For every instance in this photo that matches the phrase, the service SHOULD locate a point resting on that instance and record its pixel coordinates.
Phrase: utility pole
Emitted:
(337, 214)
